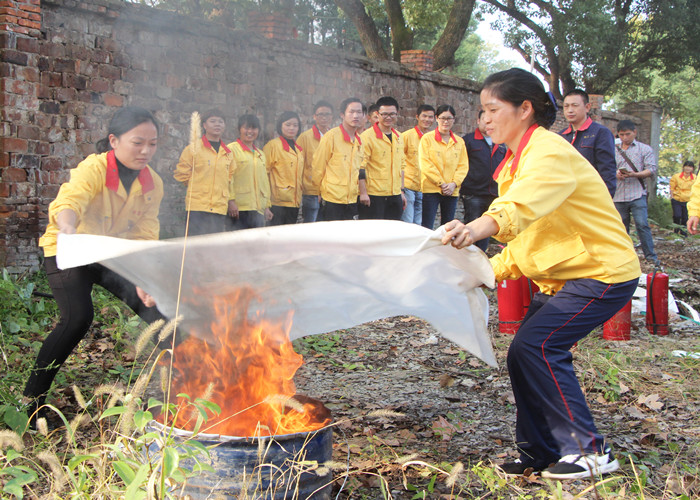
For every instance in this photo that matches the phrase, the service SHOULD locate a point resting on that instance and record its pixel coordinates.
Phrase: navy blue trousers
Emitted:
(553, 419)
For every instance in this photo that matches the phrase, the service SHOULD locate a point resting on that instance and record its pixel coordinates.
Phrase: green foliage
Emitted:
(660, 212)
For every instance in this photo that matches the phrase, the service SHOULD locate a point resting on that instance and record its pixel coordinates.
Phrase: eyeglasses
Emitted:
(446, 118)
(388, 115)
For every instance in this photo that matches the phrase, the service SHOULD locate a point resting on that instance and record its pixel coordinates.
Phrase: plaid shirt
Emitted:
(642, 156)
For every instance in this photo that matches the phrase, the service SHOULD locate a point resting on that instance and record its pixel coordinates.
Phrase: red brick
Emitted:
(14, 57)
(99, 85)
(13, 145)
(29, 74)
(26, 44)
(32, 8)
(113, 100)
(11, 174)
(4, 190)
(110, 72)
(28, 132)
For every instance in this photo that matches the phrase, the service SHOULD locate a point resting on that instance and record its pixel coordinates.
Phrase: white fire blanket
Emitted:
(332, 275)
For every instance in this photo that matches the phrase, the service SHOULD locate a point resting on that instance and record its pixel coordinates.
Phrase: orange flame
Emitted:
(247, 368)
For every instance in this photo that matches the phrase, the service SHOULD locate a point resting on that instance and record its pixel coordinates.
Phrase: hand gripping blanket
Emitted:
(332, 275)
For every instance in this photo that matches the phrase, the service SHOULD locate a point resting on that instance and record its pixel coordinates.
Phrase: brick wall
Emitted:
(65, 65)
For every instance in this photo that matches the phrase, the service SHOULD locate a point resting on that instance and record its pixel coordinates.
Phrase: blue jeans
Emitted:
(414, 207)
(431, 202)
(309, 207)
(474, 207)
(553, 418)
(638, 209)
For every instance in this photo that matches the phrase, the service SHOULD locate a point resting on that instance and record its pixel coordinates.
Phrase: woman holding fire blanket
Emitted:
(564, 233)
(111, 193)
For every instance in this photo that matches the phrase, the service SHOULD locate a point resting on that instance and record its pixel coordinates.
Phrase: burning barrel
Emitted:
(268, 467)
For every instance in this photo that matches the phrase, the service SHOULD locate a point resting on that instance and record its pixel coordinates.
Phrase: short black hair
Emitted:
(212, 112)
(626, 125)
(445, 107)
(688, 163)
(580, 92)
(424, 107)
(250, 121)
(387, 101)
(481, 112)
(288, 115)
(323, 104)
(347, 102)
(372, 108)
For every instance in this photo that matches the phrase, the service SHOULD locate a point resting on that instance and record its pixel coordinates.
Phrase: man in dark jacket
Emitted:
(593, 140)
(479, 188)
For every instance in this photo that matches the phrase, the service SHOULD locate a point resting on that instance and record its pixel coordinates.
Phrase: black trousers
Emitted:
(206, 223)
(381, 207)
(283, 215)
(72, 290)
(338, 211)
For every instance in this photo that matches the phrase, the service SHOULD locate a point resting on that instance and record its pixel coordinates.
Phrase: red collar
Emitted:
(244, 147)
(438, 137)
(682, 176)
(112, 176)
(317, 133)
(378, 132)
(509, 153)
(585, 126)
(420, 134)
(208, 145)
(346, 136)
(285, 145)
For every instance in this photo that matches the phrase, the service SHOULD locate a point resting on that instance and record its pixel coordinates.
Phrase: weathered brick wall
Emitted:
(66, 65)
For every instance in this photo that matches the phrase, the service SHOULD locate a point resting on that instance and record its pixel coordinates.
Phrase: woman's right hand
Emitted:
(67, 220)
(693, 224)
(458, 234)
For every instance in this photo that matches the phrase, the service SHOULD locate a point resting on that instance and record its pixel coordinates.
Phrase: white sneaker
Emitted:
(583, 466)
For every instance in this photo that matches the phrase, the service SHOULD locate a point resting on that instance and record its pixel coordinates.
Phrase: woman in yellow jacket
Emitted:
(206, 168)
(680, 185)
(443, 166)
(285, 167)
(563, 232)
(250, 186)
(112, 193)
(694, 208)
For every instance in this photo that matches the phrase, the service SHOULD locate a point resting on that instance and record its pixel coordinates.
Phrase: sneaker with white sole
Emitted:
(520, 467)
(583, 466)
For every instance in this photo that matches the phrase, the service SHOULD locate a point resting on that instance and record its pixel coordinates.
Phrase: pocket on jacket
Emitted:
(560, 251)
(285, 193)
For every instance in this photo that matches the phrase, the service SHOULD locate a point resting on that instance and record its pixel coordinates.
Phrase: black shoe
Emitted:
(583, 466)
(522, 467)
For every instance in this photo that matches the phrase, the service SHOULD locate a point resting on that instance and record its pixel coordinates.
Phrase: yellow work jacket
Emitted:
(411, 174)
(285, 168)
(383, 161)
(250, 186)
(208, 182)
(442, 160)
(99, 199)
(694, 202)
(336, 166)
(555, 213)
(309, 142)
(680, 185)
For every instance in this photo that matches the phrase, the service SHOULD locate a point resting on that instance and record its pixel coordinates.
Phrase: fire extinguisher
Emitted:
(618, 327)
(657, 303)
(510, 305)
(529, 291)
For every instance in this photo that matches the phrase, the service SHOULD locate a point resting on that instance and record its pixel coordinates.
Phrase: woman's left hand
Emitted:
(448, 188)
(147, 300)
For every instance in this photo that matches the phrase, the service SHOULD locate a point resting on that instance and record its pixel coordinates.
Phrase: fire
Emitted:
(247, 368)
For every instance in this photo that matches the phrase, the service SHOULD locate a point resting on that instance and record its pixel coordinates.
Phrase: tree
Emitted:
(598, 44)
(679, 96)
(403, 29)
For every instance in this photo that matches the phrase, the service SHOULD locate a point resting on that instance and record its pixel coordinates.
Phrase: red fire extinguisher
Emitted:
(618, 327)
(657, 303)
(510, 305)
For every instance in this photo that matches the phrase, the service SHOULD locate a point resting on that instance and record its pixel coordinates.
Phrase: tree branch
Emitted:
(369, 36)
(401, 35)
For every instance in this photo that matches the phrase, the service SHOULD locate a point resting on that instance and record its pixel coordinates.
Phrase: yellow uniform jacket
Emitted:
(250, 186)
(694, 203)
(383, 161)
(285, 168)
(99, 199)
(680, 185)
(309, 142)
(554, 211)
(208, 182)
(411, 174)
(442, 160)
(336, 166)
